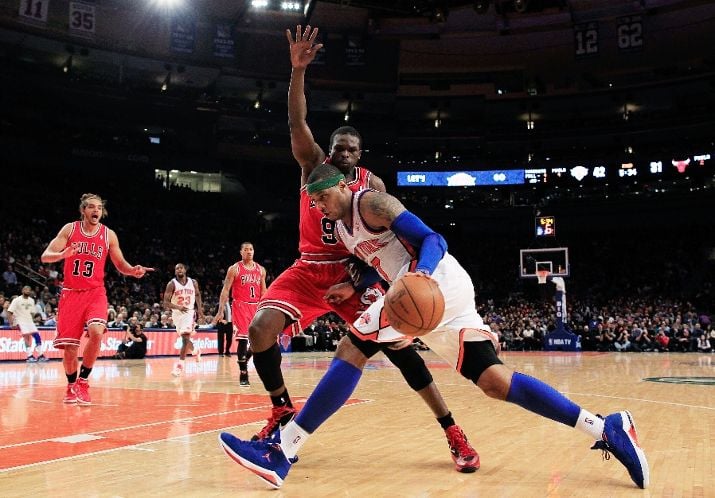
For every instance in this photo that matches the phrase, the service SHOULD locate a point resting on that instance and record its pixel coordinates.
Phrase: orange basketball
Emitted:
(414, 305)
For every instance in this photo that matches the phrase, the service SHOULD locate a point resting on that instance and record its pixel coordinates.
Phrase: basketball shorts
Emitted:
(460, 323)
(183, 321)
(26, 327)
(241, 315)
(76, 309)
(299, 293)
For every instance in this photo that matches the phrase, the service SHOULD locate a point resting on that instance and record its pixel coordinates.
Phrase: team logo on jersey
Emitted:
(364, 319)
(364, 249)
(370, 295)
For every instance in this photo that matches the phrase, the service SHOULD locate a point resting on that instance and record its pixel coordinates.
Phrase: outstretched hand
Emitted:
(139, 271)
(303, 48)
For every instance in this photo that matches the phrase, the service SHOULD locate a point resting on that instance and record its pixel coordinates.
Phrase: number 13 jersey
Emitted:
(85, 269)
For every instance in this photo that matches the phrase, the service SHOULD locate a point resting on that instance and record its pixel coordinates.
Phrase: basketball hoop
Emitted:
(542, 275)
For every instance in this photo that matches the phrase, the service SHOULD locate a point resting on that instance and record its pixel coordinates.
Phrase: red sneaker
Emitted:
(466, 459)
(70, 396)
(280, 416)
(81, 389)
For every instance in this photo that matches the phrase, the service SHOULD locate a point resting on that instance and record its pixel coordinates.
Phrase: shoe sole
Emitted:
(268, 476)
(627, 420)
(69, 401)
(83, 403)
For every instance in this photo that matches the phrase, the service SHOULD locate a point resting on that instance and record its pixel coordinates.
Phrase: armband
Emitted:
(431, 245)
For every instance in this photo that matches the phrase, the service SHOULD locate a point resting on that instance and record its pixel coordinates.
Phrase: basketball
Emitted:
(414, 305)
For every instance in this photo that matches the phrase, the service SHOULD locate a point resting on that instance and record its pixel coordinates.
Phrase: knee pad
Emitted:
(478, 356)
(368, 348)
(411, 365)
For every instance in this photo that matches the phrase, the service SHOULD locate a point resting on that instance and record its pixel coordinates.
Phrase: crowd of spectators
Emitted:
(642, 292)
(624, 325)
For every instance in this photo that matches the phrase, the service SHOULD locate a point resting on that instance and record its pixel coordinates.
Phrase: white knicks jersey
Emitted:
(184, 295)
(381, 249)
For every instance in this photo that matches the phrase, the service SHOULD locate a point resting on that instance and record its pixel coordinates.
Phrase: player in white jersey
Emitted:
(183, 298)
(20, 314)
(377, 228)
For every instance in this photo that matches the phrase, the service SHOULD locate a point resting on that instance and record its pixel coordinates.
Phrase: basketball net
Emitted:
(542, 275)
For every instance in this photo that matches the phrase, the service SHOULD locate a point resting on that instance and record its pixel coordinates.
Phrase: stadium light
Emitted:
(68, 65)
(292, 6)
(259, 4)
(168, 4)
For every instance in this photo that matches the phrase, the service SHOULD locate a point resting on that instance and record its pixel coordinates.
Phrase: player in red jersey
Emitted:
(246, 281)
(84, 245)
(296, 297)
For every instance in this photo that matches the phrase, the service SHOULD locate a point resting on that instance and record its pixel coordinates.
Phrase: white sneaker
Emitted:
(197, 353)
(178, 370)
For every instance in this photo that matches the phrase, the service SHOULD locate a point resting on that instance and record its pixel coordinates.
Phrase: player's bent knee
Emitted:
(349, 352)
(411, 365)
(265, 327)
(477, 357)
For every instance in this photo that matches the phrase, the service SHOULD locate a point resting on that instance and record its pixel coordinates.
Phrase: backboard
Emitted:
(553, 259)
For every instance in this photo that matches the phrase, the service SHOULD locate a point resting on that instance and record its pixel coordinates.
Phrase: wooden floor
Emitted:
(148, 434)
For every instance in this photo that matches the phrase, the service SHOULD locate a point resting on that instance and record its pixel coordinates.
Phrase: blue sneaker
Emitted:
(265, 459)
(621, 439)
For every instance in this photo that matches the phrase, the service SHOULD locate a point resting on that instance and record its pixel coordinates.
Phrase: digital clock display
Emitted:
(545, 226)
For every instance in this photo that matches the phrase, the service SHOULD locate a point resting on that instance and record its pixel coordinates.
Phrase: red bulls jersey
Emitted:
(317, 233)
(85, 270)
(246, 285)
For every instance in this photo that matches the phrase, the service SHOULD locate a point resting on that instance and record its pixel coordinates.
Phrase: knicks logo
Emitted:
(370, 296)
(364, 319)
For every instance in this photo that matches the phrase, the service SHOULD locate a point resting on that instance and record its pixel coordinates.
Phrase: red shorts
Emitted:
(76, 309)
(241, 315)
(299, 290)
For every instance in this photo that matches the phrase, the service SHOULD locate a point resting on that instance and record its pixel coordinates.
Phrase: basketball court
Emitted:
(149, 434)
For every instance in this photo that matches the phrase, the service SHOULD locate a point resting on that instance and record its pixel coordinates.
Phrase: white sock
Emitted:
(293, 437)
(590, 424)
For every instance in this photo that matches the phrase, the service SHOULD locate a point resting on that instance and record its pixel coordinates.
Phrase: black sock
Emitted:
(84, 372)
(71, 378)
(268, 368)
(447, 421)
(282, 399)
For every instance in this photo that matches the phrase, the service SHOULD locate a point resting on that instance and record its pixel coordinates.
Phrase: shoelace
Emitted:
(270, 427)
(603, 446)
(461, 444)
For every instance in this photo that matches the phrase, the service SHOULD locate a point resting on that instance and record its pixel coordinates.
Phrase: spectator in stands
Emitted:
(530, 341)
(51, 320)
(704, 345)
(622, 342)
(640, 340)
(662, 340)
(682, 339)
(10, 278)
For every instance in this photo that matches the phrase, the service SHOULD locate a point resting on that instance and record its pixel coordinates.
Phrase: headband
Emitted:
(328, 182)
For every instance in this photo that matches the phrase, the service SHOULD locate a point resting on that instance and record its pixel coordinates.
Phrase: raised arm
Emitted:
(302, 52)
(227, 283)
(115, 253)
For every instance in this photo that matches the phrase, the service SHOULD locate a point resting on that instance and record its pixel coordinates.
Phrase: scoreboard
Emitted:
(545, 226)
